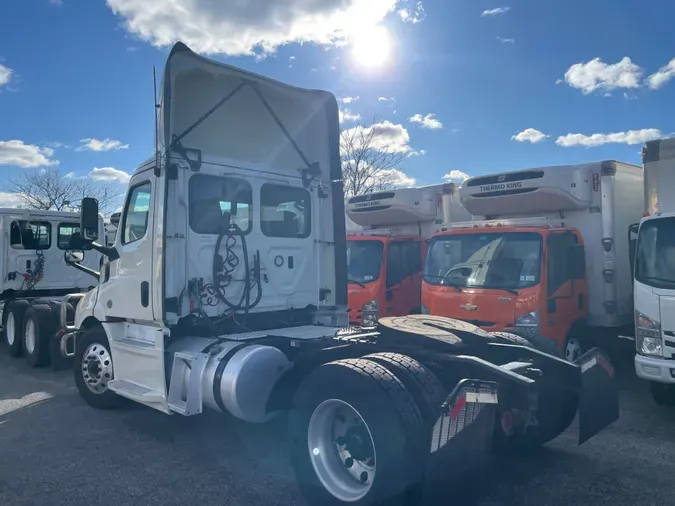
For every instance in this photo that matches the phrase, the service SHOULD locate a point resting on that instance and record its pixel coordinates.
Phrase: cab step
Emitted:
(185, 399)
(136, 392)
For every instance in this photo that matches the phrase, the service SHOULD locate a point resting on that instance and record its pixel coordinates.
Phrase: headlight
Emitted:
(648, 335)
(528, 320)
(370, 313)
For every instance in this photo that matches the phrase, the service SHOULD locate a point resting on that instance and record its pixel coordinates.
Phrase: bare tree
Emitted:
(370, 160)
(47, 189)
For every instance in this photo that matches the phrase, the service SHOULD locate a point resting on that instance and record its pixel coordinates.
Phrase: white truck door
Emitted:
(127, 293)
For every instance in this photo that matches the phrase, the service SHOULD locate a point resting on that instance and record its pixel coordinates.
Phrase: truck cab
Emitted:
(387, 235)
(654, 274)
(549, 256)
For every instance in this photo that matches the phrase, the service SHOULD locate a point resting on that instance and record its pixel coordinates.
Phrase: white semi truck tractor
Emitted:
(226, 289)
(34, 278)
(654, 274)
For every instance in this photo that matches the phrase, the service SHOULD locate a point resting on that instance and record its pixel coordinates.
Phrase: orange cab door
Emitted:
(403, 290)
(565, 295)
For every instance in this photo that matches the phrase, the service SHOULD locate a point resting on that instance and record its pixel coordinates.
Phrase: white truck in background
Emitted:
(387, 237)
(34, 277)
(226, 289)
(654, 274)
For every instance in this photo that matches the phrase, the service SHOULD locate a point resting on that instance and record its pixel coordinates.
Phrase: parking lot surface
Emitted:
(55, 450)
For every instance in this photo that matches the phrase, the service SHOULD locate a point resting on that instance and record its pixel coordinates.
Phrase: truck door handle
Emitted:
(145, 294)
(290, 262)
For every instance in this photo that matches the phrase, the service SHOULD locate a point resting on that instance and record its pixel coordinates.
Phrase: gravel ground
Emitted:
(56, 450)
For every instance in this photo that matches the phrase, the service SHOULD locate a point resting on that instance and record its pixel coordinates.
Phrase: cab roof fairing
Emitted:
(241, 119)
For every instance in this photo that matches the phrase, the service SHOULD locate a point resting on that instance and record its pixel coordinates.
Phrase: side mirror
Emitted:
(73, 256)
(577, 262)
(89, 219)
(115, 219)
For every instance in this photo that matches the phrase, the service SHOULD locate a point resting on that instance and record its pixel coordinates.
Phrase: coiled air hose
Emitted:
(230, 232)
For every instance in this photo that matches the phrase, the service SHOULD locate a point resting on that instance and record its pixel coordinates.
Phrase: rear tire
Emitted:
(536, 341)
(39, 328)
(425, 388)
(12, 325)
(93, 368)
(387, 434)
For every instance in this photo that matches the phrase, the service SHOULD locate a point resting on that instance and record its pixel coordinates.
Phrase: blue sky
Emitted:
(473, 86)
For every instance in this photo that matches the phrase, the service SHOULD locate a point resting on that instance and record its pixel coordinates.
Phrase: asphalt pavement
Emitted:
(55, 450)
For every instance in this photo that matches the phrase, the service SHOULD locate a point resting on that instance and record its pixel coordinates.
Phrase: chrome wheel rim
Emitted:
(29, 336)
(9, 329)
(342, 450)
(97, 368)
(572, 349)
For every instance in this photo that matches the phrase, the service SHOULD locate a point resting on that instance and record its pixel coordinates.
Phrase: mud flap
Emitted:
(461, 439)
(599, 395)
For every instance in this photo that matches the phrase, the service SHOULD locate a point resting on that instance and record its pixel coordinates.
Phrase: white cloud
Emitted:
(506, 41)
(412, 15)
(397, 177)
(5, 74)
(58, 3)
(386, 99)
(348, 100)
(347, 115)
(494, 12)
(428, 121)
(659, 78)
(8, 199)
(109, 174)
(530, 135)
(631, 138)
(383, 136)
(234, 27)
(596, 75)
(100, 145)
(456, 176)
(25, 155)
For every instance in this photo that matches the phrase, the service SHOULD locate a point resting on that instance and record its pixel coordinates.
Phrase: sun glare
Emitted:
(372, 46)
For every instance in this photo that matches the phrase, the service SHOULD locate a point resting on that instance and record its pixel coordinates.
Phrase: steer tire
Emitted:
(393, 423)
(13, 336)
(424, 386)
(42, 319)
(95, 340)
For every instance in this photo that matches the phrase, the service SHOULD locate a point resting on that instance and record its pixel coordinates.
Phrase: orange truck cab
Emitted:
(550, 256)
(387, 234)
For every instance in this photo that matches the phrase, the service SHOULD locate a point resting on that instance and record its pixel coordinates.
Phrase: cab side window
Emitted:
(136, 213)
(558, 260)
(30, 235)
(404, 258)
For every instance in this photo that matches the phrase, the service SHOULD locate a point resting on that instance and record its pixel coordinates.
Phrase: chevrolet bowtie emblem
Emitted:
(468, 307)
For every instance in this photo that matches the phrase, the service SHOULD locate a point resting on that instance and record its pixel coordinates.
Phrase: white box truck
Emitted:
(654, 285)
(551, 255)
(227, 290)
(34, 278)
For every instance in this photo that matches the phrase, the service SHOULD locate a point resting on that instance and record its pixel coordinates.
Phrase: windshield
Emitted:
(510, 260)
(655, 257)
(364, 259)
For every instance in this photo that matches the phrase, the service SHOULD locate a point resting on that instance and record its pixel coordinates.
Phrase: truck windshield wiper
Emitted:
(659, 279)
(444, 281)
(510, 290)
(354, 282)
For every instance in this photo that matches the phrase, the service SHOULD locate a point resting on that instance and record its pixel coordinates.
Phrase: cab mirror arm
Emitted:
(89, 271)
(110, 252)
